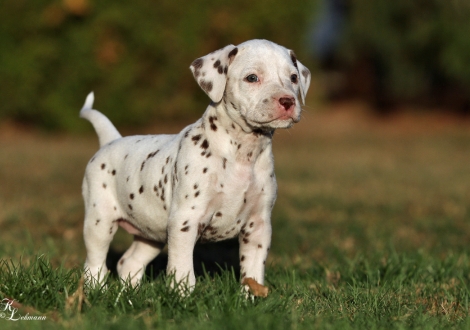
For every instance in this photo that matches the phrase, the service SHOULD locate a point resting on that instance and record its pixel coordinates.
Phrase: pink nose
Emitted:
(287, 102)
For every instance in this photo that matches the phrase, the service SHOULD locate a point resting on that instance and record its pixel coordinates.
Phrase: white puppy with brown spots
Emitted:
(213, 181)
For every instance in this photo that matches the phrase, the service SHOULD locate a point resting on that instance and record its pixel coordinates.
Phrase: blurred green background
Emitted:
(135, 54)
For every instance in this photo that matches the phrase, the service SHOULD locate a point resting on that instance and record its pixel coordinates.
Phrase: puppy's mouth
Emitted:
(280, 121)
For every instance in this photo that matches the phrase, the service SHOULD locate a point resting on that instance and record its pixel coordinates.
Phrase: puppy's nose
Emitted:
(287, 102)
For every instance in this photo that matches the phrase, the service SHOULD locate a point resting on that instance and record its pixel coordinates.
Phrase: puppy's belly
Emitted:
(130, 228)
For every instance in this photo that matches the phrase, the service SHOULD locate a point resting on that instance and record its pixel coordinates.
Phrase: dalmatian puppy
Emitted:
(212, 181)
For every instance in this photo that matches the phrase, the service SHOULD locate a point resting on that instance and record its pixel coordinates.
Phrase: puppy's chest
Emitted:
(237, 194)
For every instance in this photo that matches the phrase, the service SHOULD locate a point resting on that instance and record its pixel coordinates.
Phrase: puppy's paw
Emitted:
(255, 288)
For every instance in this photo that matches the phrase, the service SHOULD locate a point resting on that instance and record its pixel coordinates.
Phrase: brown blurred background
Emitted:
(380, 158)
(135, 55)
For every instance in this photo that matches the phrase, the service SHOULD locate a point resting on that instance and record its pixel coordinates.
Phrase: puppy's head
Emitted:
(260, 83)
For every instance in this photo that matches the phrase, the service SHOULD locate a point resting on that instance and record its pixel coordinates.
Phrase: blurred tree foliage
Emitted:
(414, 50)
(135, 55)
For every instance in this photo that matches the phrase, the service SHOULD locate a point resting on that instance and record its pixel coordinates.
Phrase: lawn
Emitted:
(370, 230)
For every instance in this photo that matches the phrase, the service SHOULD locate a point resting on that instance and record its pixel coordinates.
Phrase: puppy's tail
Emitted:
(102, 125)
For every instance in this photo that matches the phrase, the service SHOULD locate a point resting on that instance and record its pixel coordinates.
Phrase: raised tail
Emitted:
(104, 128)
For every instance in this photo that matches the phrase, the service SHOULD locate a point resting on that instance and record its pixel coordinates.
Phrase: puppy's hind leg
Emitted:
(132, 264)
(99, 229)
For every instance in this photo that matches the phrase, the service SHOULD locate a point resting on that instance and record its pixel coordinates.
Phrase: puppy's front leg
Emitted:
(255, 240)
(182, 236)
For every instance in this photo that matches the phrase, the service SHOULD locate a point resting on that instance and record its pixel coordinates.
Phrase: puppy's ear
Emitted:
(210, 71)
(304, 75)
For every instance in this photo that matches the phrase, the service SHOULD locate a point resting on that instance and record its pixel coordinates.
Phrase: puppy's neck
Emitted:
(230, 139)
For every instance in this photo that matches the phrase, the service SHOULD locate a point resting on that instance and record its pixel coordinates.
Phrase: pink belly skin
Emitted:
(130, 228)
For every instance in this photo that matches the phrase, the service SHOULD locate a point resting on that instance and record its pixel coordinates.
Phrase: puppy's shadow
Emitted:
(210, 258)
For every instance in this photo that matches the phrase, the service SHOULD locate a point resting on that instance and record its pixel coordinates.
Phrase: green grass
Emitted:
(395, 292)
(370, 231)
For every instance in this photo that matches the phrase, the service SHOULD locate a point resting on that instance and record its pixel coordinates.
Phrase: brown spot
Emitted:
(204, 170)
(206, 85)
(252, 224)
(218, 214)
(204, 144)
(167, 159)
(196, 194)
(185, 228)
(212, 124)
(305, 73)
(97, 221)
(113, 172)
(155, 188)
(245, 240)
(165, 180)
(195, 186)
(185, 223)
(217, 64)
(208, 155)
(127, 180)
(197, 65)
(152, 154)
(196, 138)
(125, 157)
(224, 162)
(131, 196)
(233, 52)
(293, 58)
(238, 221)
(104, 185)
(121, 261)
(242, 258)
(141, 189)
(244, 200)
(130, 206)
(260, 246)
(103, 166)
(220, 69)
(239, 146)
(225, 69)
(142, 165)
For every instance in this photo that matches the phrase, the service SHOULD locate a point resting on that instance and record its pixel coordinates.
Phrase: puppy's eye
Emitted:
(294, 79)
(252, 78)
